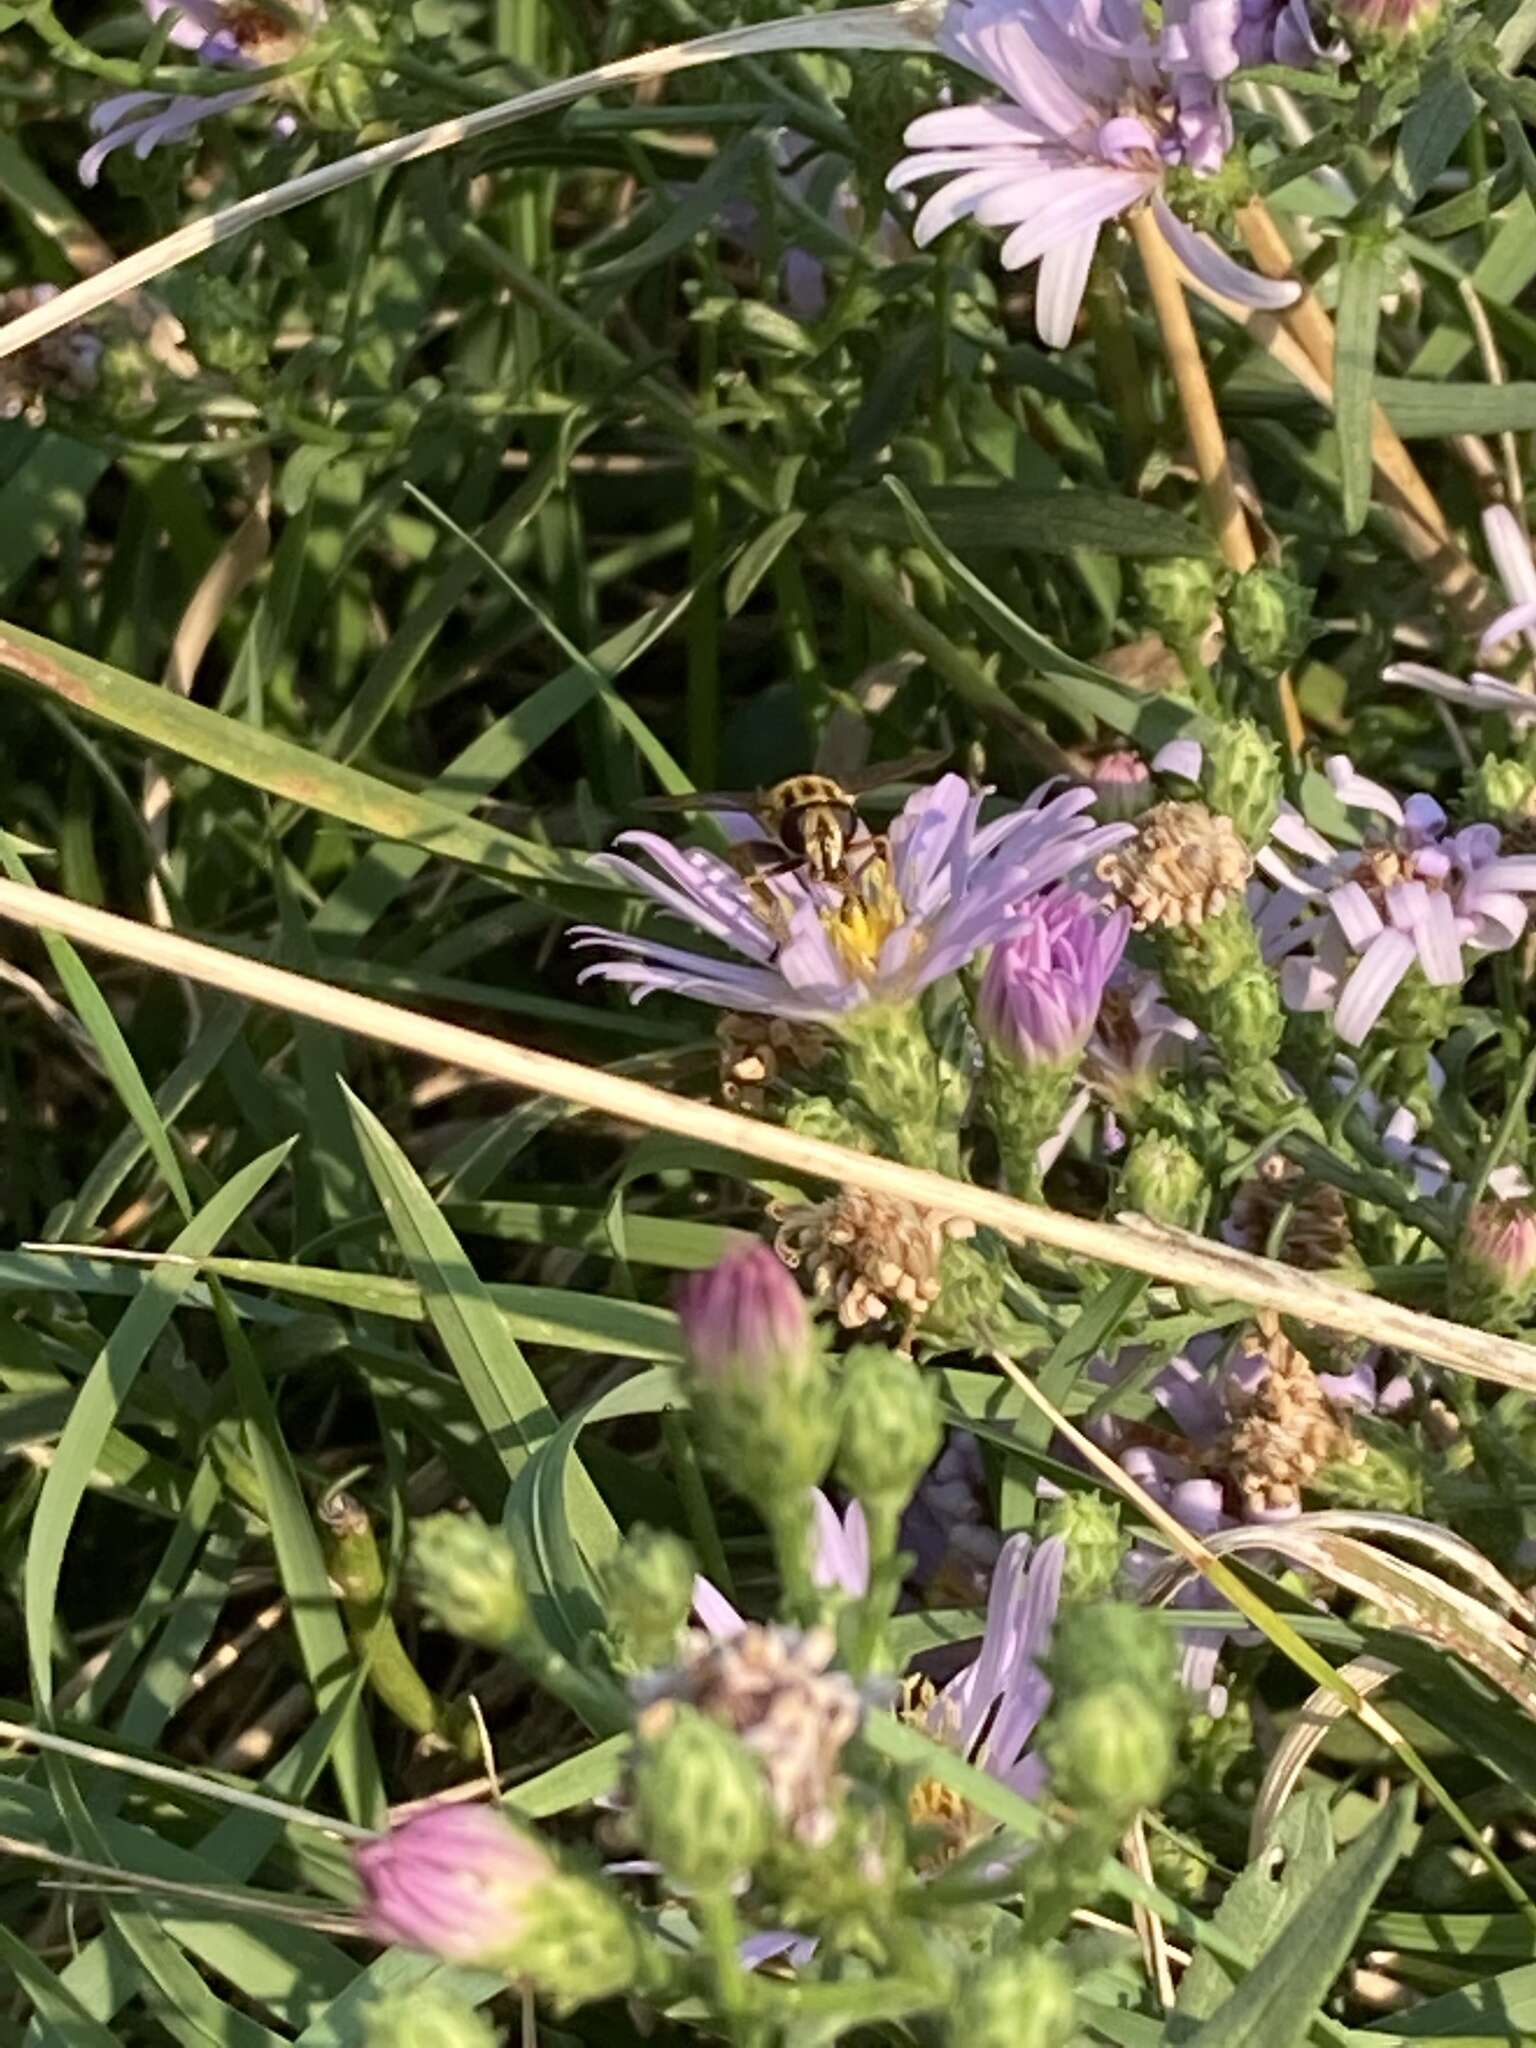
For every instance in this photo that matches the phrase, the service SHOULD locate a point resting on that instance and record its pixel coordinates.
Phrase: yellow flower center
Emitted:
(931, 1803)
(868, 909)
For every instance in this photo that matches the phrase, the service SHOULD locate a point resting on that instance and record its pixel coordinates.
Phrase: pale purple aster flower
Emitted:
(246, 34)
(840, 1558)
(823, 185)
(1093, 120)
(1510, 549)
(989, 1712)
(1351, 924)
(455, 1880)
(948, 1525)
(918, 904)
(1040, 995)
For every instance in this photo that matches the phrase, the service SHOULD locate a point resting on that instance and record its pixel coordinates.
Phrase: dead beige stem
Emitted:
(1176, 1257)
(1421, 526)
(1181, 345)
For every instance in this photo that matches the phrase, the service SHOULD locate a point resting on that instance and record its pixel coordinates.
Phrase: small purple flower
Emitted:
(1510, 548)
(1121, 783)
(1351, 924)
(917, 905)
(1040, 994)
(744, 1316)
(990, 1711)
(1219, 37)
(1499, 1238)
(948, 1526)
(1095, 115)
(455, 1880)
(246, 34)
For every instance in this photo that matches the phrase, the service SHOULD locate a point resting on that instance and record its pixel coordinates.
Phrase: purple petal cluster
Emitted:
(243, 33)
(1096, 111)
(1350, 924)
(917, 906)
(1040, 995)
(1510, 548)
(839, 1558)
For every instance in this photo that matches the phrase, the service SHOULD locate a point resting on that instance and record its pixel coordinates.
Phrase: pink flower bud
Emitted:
(744, 1317)
(1500, 1239)
(1041, 992)
(455, 1880)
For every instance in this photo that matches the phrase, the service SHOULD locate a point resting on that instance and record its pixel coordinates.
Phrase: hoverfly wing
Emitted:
(703, 800)
(879, 773)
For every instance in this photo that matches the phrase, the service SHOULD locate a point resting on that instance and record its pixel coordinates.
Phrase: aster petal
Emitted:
(1372, 985)
(716, 1615)
(957, 199)
(1215, 269)
(1520, 618)
(1439, 944)
(1101, 195)
(1481, 693)
(1308, 985)
(1357, 916)
(1511, 552)
(1059, 293)
(1184, 758)
(1358, 791)
(697, 888)
(994, 124)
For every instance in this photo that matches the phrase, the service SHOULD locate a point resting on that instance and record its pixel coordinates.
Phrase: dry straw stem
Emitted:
(905, 25)
(1181, 345)
(1176, 1257)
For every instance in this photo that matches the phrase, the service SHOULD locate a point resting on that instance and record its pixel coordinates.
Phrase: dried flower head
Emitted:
(1316, 1233)
(757, 1052)
(62, 365)
(869, 1254)
(773, 1687)
(1284, 1427)
(1185, 864)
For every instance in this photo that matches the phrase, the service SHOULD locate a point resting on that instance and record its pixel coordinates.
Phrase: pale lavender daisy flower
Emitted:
(246, 34)
(989, 1712)
(1094, 117)
(1222, 36)
(1352, 923)
(1138, 1038)
(917, 905)
(1510, 548)
(1039, 997)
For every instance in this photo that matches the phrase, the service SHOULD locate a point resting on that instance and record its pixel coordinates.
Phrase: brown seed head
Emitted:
(869, 1254)
(1185, 864)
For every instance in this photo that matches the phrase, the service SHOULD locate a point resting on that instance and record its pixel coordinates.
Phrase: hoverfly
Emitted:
(807, 820)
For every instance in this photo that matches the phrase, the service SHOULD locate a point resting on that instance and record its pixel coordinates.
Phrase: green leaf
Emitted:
(1002, 518)
(1276, 2003)
(1362, 275)
(758, 557)
(106, 1387)
(1262, 1899)
(265, 760)
(497, 1378)
(1422, 410)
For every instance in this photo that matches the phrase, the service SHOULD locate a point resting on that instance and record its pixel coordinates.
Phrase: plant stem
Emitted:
(354, 1563)
(1181, 345)
(696, 1502)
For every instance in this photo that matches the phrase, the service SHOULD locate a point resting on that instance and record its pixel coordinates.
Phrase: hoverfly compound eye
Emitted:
(792, 833)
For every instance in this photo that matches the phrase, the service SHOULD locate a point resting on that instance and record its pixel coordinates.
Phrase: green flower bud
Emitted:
(1384, 1469)
(647, 1592)
(1268, 618)
(1381, 28)
(893, 1426)
(1111, 1750)
(700, 1798)
(1241, 778)
(577, 1944)
(426, 2019)
(467, 1577)
(1244, 1018)
(1164, 1180)
(1095, 1647)
(1022, 2000)
(1501, 792)
(972, 1310)
(1178, 597)
(1096, 1544)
